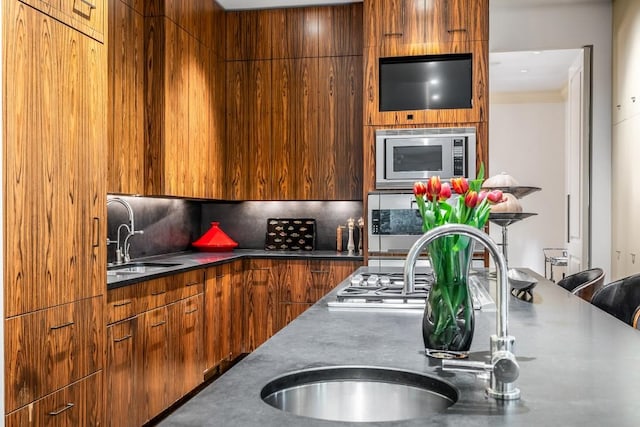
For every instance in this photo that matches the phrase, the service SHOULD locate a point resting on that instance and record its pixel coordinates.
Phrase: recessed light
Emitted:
(536, 52)
(524, 70)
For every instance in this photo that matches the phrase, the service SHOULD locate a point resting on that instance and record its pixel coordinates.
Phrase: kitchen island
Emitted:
(578, 365)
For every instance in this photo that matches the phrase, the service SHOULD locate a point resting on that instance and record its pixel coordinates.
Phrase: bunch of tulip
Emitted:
(448, 321)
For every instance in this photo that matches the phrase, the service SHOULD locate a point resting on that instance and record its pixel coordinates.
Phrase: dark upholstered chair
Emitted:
(621, 299)
(584, 283)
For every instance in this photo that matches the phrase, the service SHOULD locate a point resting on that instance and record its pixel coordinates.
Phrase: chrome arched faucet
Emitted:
(503, 367)
(122, 251)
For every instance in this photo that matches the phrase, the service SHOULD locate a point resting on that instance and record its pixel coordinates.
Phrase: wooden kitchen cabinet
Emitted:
(260, 301)
(126, 165)
(54, 140)
(60, 259)
(238, 332)
(218, 314)
(88, 17)
(156, 382)
(78, 404)
(302, 283)
(184, 141)
(390, 23)
(49, 349)
(155, 349)
(186, 346)
(123, 372)
(294, 113)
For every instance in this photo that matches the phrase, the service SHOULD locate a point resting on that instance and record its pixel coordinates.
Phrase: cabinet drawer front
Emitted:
(79, 404)
(153, 294)
(186, 284)
(121, 303)
(49, 349)
(86, 16)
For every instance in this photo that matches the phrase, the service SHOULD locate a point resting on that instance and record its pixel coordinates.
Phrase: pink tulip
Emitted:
(494, 196)
(445, 191)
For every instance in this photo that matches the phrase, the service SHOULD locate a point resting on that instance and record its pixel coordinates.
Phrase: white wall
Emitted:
(516, 28)
(527, 142)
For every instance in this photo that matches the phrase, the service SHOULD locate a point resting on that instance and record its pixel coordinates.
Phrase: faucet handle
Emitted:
(138, 232)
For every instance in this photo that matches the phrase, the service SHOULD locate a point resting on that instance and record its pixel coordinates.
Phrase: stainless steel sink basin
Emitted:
(359, 394)
(138, 268)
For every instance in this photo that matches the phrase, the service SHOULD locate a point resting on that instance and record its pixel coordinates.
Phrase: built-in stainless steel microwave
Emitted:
(404, 156)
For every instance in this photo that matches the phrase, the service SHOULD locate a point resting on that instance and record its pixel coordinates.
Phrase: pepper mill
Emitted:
(339, 238)
(350, 245)
(360, 233)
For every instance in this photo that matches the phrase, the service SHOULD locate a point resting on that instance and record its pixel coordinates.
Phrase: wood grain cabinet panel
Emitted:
(238, 331)
(48, 349)
(155, 387)
(88, 17)
(122, 303)
(288, 115)
(248, 34)
(260, 302)
(186, 346)
(79, 404)
(217, 319)
(122, 373)
(340, 29)
(126, 99)
(64, 183)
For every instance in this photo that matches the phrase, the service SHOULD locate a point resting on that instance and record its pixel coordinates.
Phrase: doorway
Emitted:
(528, 131)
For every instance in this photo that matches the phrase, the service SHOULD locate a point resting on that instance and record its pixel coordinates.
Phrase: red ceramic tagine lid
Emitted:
(215, 240)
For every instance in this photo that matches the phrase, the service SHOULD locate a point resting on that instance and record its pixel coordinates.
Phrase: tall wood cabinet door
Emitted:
(238, 342)
(79, 404)
(156, 362)
(337, 154)
(260, 302)
(258, 145)
(46, 179)
(122, 373)
(212, 314)
(465, 20)
(237, 130)
(126, 99)
(186, 346)
(48, 349)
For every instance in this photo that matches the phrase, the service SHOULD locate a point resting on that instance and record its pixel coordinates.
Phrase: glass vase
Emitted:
(448, 322)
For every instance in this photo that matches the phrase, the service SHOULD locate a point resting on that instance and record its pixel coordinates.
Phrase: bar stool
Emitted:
(584, 283)
(621, 299)
(554, 257)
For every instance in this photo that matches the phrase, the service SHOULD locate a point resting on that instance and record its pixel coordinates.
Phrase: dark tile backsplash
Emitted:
(246, 222)
(170, 225)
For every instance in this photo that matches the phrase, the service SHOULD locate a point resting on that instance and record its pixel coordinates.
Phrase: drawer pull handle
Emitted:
(126, 337)
(123, 303)
(192, 283)
(155, 294)
(61, 410)
(191, 311)
(158, 324)
(64, 325)
(88, 3)
(457, 30)
(219, 276)
(319, 272)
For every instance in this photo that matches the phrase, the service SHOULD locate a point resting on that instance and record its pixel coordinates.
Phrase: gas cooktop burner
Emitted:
(378, 287)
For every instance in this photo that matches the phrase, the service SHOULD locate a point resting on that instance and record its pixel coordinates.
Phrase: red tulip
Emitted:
(433, 188)
(471, 199)
(494, 196)
(445, 191)
(460, 185)
(419, 189)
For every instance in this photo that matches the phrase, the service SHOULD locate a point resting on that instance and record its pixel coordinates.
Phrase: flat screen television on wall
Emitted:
(427, 82)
